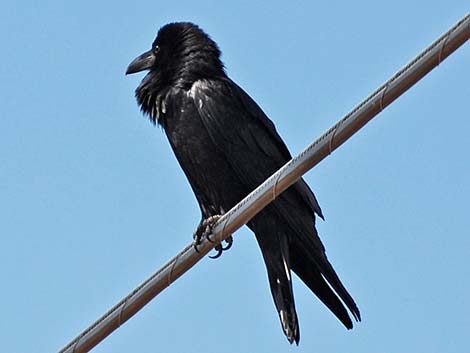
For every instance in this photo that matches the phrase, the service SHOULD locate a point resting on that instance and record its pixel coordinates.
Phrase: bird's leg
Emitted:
(204, 229)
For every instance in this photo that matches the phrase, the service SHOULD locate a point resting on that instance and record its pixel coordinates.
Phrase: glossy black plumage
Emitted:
(227, 146)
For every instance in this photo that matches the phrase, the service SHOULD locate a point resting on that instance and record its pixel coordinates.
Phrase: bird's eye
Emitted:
(156, 49)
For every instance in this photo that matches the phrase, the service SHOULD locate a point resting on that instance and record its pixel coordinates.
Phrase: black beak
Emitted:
(141, 63)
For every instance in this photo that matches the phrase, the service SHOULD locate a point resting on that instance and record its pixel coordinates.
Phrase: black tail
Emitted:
(315, 272)
(290, 242)
(275, 249)
(310, 263)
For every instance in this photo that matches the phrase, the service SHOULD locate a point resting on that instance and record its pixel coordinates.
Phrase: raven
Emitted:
(227, 147)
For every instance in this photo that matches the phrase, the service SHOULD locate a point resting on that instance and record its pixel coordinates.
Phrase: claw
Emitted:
(229, 242)
(219, 252)
(197, 235)
(197, 238)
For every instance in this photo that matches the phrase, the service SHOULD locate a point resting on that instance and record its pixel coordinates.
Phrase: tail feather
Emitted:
(310, 275)
(275, 250)
(333, 279)
(290, 241)
(313, 267)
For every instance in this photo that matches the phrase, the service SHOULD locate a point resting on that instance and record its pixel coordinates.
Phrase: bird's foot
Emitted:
(204, 229)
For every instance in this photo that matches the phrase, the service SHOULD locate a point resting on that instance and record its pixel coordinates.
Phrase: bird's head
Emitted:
(181, 53)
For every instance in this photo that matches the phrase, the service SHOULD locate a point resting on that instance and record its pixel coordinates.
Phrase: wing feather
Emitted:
(240, 129)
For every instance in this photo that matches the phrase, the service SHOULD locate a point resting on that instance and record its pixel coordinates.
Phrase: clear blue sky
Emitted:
(92, 200)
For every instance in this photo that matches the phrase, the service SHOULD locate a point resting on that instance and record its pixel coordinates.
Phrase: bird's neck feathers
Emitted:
(150, 94)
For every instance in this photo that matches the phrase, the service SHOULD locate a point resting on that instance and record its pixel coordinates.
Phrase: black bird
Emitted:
(227, 147)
